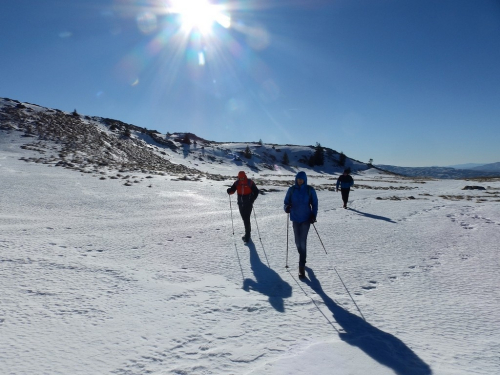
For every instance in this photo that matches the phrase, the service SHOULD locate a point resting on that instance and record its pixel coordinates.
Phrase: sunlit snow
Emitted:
(102, 278)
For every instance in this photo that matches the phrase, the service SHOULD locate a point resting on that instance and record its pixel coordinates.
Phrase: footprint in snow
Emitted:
(369, 287)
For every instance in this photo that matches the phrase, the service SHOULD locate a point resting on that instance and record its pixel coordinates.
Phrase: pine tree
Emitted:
(319, 156)
(248, 153)
(285, 160)
(342, 159)
(186, 139)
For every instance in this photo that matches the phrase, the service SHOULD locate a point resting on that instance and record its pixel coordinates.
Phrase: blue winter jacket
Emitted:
(303, 200)
(345, 181)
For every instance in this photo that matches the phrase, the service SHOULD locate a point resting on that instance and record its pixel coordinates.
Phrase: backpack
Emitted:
(248, 184)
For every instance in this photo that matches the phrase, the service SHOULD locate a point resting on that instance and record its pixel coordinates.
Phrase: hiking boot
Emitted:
(302, 271)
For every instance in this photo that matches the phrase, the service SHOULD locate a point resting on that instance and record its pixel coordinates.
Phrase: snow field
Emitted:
(102, 278)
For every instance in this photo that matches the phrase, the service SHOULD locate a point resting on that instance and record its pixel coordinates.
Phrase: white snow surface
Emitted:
(101, 278)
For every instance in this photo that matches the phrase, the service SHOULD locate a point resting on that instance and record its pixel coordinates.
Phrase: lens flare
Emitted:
(65, 34)
(224, 20)
(146, 22)
(201, 58)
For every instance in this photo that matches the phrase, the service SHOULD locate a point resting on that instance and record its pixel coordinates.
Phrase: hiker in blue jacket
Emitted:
(345, 181)
(301, 202)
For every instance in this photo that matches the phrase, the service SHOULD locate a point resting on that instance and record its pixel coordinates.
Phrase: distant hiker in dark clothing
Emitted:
(345, 181)
(301, 202)
(247, 194)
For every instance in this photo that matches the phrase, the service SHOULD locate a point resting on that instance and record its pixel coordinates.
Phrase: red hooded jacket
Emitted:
(246, 189)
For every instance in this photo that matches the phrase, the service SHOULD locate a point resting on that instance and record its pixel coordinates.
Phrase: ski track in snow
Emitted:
(98, 279)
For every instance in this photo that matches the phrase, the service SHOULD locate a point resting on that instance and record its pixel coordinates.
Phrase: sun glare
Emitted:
(199, 14)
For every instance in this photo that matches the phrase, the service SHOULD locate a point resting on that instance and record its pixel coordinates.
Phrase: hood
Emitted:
(242, 174)
(301, 175)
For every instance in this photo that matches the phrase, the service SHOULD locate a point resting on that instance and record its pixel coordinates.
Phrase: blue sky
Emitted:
(404, 82)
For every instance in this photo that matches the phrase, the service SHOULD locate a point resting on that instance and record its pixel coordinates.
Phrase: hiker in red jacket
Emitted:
(247, 194)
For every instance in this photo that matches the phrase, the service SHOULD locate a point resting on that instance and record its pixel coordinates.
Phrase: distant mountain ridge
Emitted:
(492, 167)
(439, 172)
(489, 167)
(465, 166)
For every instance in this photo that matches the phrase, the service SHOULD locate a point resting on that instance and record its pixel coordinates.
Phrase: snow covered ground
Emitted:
(102, 278)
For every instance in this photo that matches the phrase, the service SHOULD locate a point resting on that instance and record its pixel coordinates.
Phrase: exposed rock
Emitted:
(474, 188)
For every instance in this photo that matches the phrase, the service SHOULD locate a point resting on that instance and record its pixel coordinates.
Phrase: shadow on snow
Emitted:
(371, 216)
(383, 347)
(267, 281)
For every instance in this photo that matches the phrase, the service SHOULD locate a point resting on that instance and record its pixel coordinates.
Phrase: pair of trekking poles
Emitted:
(255, 216)
(286, 266)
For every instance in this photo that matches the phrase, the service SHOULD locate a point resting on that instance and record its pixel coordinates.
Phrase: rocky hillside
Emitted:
(89, 144)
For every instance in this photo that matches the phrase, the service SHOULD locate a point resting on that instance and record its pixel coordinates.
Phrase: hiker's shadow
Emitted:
(371, 216)
(267, 281)
(383, 347)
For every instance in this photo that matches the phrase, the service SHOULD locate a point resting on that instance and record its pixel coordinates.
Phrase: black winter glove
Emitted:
(229, 190)
(312, 219)
(288, 209)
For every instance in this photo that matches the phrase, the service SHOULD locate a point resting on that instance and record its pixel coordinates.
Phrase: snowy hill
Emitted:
(86, 143)
(121, 254)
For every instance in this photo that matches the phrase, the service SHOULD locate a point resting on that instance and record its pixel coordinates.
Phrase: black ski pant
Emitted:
(245, 212)
(345, 195)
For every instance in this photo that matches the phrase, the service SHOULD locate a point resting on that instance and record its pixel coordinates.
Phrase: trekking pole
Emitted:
(342, 281)
(256, 223)
(260, 239)
(287, 226)
(320, 238)
(231, 207)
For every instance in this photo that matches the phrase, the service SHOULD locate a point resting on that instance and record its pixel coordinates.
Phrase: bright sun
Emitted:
(199, 14)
